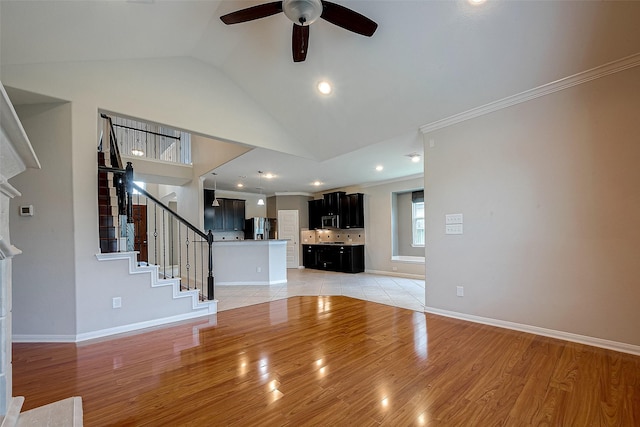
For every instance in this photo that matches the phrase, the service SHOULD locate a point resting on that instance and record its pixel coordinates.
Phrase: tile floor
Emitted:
(396, 291)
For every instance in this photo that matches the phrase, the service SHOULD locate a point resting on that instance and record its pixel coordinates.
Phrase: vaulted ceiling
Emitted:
(427, 61)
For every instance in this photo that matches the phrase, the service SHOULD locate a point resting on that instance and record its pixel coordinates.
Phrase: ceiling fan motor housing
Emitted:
(302, 12)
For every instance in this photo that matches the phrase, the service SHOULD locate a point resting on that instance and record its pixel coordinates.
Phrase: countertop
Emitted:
(250, 241)
(335, 244)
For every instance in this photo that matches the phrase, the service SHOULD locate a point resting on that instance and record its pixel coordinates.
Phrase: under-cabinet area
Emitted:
(334, 257)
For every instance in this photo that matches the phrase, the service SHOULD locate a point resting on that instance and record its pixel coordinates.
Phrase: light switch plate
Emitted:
(453, 218)
(453, 229)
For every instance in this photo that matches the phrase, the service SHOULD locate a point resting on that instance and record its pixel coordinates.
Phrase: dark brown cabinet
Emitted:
(333, 202)
(229, 216)
(348, 207)
(341, 258)
(352, 211)
(315, 213)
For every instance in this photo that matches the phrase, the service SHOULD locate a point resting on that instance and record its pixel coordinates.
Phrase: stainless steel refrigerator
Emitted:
(259, 228)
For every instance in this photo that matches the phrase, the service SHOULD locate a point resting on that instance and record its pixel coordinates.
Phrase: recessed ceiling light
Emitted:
(324, 87)
(317, 183)
(269, 175)
(476, 2)
(379, 168)
(415, 158)
(240, 185)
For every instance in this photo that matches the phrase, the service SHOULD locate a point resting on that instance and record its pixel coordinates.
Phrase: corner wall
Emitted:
(549, 193)
(44, 275)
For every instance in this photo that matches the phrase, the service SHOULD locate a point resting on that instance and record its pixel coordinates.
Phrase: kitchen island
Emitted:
(250, 262)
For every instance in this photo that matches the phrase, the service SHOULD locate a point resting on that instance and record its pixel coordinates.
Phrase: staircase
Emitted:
(154, 241)
(107, 209)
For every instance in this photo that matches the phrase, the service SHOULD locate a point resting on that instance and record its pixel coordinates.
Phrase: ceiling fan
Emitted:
(303, 13)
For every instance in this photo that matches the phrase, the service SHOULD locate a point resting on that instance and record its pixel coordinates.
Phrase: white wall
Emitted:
(550, 197)
(43, 276)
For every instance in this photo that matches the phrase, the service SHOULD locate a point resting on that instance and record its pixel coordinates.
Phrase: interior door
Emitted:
(140, 222)
(289, 230)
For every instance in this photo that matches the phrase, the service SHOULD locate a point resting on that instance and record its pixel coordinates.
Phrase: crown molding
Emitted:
(293, 193)
(546, 89)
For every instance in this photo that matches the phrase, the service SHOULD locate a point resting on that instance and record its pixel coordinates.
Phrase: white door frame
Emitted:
(291, 235)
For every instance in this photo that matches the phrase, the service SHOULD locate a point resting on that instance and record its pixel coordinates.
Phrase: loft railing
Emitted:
(151, 141)
(159, 235)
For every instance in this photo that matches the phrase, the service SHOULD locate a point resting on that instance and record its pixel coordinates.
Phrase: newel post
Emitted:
(210, 276)
(130, 226)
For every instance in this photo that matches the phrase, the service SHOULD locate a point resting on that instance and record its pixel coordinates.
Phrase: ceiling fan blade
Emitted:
(348, 19)
(251, 13)
(300, 42)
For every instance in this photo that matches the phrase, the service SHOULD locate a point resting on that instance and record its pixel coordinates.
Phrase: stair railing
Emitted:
(177, 247)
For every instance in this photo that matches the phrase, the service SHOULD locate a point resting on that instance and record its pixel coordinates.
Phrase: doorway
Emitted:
(140, 225)
(289, 230)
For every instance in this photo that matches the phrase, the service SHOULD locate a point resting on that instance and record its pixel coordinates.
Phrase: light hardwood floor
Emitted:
(333, 360)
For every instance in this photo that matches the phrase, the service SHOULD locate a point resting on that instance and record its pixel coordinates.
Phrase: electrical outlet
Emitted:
(258, 269)
(117, 302)
(460, 291)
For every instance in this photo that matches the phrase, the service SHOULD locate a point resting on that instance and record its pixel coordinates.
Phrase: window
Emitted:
(417, 218)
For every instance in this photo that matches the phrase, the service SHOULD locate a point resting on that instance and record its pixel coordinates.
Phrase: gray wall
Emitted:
(297, 203)
(404, 216)
(550, 194)
(44, 275)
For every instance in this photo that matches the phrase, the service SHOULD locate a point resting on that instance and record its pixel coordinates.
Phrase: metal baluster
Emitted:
(155, 234)
(179, 253)
(202, 271)
(164, 245)
(187, 265)
(172, 260)
(195, 261)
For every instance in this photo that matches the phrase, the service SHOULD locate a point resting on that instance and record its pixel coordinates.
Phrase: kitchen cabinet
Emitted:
(316, 210)
(351, 259)
(233, 213)
(341, 258)
(309, 256)
(332, 202)
(229, 216)
(352, 211)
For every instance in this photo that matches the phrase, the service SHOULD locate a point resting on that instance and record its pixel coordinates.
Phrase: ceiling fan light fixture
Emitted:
(302, 12)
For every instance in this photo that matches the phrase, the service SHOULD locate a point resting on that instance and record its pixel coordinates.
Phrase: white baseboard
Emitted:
(566, 336)
(109, 331)
(140, 325)
(261, 283)
(396, 274)
(42, 338)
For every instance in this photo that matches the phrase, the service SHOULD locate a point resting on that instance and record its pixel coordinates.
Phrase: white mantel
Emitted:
(16, 155)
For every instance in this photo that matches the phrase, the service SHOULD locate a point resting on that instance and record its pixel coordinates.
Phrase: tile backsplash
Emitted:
(353, 235)
(220, 236)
